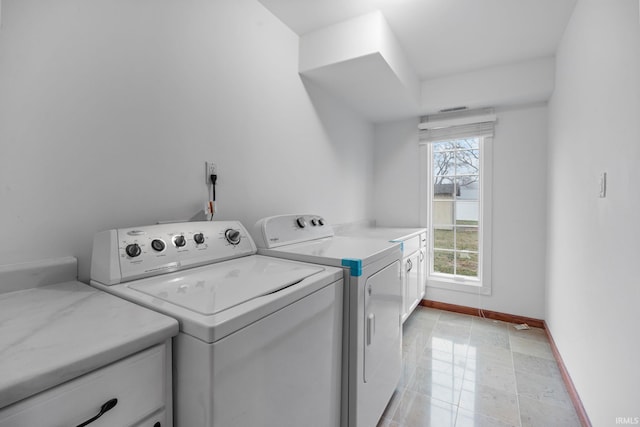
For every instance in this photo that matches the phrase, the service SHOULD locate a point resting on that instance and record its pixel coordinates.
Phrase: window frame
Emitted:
(482, 284)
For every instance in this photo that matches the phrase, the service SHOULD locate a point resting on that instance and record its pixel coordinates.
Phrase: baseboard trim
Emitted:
(493, 315)
(566, 378)
(536, 323)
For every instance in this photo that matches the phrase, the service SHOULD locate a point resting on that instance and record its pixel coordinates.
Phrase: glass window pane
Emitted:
(466, 238)
(443, 146)
(442, 213)
(444, 163)
(466, 264)
(467, 212)
(468, 187)
(443, 262)
(443, 237)
(444, 188)
(467, 143)
(467, 162)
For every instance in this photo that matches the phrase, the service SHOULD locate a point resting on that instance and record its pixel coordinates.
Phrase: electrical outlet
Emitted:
(210, 169)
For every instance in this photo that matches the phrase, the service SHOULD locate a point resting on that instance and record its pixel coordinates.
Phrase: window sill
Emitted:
(460, 285)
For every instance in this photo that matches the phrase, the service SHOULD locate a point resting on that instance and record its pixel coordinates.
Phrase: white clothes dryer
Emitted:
(372, 338)
(260, 338)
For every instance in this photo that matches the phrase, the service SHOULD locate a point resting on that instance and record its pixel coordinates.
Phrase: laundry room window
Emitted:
(456, 163)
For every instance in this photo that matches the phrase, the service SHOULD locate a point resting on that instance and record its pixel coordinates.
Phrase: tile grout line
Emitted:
(453, 374)
(464, 376)
(457, 404)
(515, 379)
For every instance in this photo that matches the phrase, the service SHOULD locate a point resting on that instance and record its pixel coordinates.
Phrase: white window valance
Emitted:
(454, 125)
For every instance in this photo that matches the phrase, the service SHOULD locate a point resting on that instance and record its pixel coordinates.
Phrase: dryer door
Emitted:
(382, 324)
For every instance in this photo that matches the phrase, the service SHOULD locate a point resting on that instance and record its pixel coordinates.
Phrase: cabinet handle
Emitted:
(410, 265)
(107, 406)
(421, 256)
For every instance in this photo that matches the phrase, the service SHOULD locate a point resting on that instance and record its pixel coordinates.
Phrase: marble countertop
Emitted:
(388, 233)
(54, 333)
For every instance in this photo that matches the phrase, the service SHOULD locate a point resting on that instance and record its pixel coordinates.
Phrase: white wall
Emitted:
(511, 84)
(110, 108)
(593, 291)
(519, 205)
(397, 174)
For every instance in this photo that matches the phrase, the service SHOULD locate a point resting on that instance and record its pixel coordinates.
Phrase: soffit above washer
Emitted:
(444, 37)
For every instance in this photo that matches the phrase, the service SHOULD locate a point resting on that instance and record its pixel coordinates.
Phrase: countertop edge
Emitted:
(41, 382)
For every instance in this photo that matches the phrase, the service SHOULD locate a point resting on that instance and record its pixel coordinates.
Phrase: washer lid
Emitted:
(227, 284)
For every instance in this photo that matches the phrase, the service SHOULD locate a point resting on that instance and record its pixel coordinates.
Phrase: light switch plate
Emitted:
(603, 185)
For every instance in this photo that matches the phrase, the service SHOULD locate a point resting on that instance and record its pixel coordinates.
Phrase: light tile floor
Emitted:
(466, 371)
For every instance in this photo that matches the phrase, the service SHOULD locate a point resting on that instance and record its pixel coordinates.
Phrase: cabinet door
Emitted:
(412, 265)
(422, 272)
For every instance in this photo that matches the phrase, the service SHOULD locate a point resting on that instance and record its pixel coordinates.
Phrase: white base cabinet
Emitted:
(140, 383)
(414, 270)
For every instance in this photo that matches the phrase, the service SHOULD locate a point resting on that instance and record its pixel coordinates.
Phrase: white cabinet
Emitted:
(411, 283)
(422, 270)
(135, 391)
(414, 272)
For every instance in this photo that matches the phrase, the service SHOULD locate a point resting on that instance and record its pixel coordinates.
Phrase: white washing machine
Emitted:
(373, 305)
(260, 340)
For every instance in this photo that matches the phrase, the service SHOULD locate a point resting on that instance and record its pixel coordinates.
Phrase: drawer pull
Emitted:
(109, 405)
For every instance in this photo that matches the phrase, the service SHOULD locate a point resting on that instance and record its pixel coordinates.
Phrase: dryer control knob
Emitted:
(302, 223)
(180, 241)
(314, 222)
(321, 221)
(158, 245)
(232, 236)
(133, 250)
(199, 238)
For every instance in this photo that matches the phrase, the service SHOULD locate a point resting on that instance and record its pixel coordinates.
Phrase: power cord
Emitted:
(212, 201)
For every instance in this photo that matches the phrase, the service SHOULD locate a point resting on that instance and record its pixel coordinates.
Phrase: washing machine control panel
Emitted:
(126, 254)
(282, 230)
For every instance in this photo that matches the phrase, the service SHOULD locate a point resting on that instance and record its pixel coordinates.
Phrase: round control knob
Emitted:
(302, 223)
(158, 245)
(321, 221)
(232, 236)
(199, 238)
(314, 222)
(180, 241)
(133, 250)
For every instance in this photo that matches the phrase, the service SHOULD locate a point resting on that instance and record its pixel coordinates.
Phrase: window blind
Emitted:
(455, 125)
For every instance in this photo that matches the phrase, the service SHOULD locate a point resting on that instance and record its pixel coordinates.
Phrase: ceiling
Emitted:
(444, 37)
